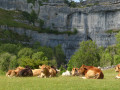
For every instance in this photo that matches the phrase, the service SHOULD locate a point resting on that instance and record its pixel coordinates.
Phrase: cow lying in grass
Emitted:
(25, 72)
(91, 72)
(117, 69)
(47, 71)
(36, 72)
(15, 72)
(75, 72)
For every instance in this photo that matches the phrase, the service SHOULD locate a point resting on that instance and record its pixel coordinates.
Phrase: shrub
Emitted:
(27, 61)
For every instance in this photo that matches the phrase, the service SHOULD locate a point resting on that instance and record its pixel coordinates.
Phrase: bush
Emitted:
(26, 61)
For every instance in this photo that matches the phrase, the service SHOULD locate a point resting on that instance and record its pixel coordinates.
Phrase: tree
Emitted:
(59, 54)
(87, 54)
(25, 52)
(7, 61)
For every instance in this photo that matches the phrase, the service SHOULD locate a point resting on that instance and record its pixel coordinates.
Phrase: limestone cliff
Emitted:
(91, 22)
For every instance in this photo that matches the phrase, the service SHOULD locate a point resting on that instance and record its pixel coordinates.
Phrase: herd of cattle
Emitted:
(44, 71)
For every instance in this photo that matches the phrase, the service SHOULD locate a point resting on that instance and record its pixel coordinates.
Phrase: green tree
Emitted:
(39, 55)
(25, 52)
(106, 59)
(49, 53)
(7, 61)
(11, 48)
(87, 54)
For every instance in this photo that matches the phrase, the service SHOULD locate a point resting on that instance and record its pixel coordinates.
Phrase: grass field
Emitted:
(61, 83)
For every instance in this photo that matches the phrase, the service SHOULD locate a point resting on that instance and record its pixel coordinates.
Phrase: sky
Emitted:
(76, 0)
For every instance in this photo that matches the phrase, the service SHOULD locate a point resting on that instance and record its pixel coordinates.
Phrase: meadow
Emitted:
(61, 83)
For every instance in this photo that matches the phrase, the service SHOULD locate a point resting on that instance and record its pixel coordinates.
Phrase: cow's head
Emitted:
(117, 68)
(82, 70)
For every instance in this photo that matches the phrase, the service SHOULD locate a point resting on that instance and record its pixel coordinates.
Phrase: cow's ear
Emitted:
(85, 68)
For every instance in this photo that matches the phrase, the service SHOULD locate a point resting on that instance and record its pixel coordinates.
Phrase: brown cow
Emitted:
(47, 71)
(44, 71)
(117, 69)
(36, 72)
(91, 72)
(75, 72)
(15, 72)
(9, 73)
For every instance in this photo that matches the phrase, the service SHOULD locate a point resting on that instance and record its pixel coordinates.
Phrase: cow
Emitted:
(15, 72)
(75, 72)
(9, 73)
(36, 72)
(91, 72)
(25, 72)
(52, 72)
(44, 71)
(47, 71)
(117, 69)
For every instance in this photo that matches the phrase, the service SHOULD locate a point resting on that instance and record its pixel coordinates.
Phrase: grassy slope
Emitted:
(8, 18)
(60, 83)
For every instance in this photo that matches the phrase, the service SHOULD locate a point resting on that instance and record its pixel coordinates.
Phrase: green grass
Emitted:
(60, 83)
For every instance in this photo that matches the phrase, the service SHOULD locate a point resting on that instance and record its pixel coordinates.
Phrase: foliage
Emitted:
(25, 52)
(12, 36)
(11, 48)
(7, 61)
(27, 61)
(87, 54)
(32, 17)
(39, 55)
(116, 59)
(62, 69)
(71, 3)
(47, 51)
(106, 59)
(59, 54)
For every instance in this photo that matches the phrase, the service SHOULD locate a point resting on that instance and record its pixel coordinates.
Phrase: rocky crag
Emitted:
(92, 20)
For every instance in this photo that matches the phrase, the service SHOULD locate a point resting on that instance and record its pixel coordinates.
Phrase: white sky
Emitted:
(76, 0)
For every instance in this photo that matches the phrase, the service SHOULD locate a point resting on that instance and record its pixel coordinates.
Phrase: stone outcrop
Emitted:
(91, 22)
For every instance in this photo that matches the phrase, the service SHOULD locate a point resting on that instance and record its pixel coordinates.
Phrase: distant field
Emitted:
(61, 83)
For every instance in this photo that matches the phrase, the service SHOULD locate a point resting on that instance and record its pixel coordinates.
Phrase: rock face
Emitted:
(91, 22)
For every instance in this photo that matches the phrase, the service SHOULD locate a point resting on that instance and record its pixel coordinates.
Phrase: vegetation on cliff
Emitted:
(26, 21)
(90, 54)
